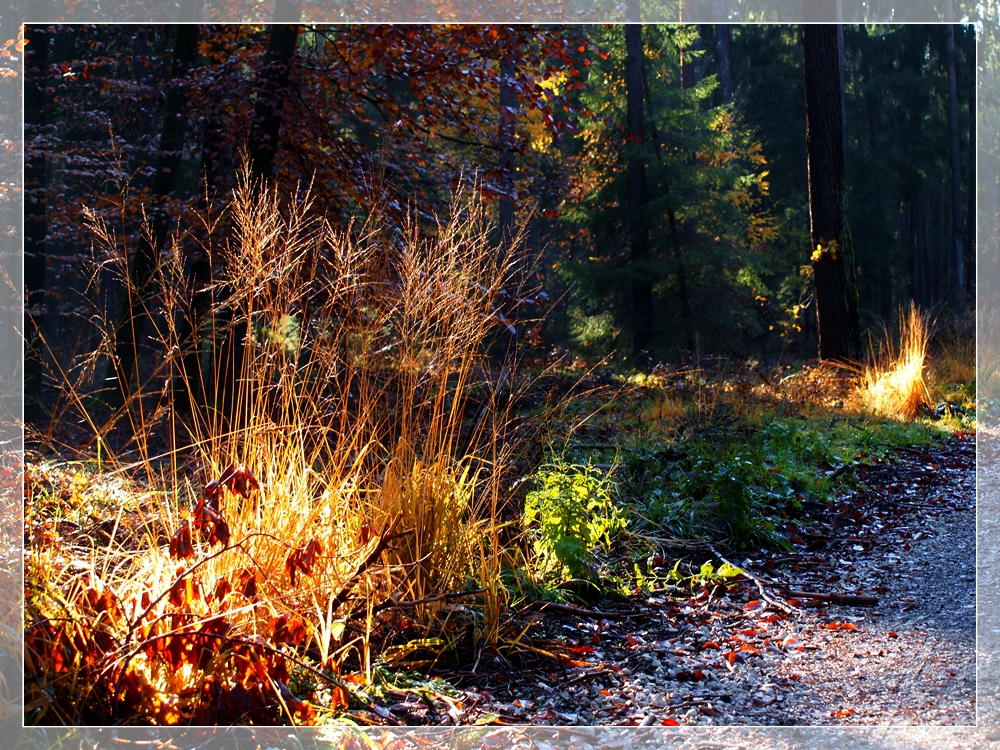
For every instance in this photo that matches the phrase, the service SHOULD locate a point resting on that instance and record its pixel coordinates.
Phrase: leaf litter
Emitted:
(904, 537)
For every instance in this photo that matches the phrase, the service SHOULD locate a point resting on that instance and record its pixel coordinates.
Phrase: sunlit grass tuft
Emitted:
(894, 387)
(348, 371)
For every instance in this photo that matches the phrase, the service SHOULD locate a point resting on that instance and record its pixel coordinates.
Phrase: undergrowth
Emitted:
(318, 484)
(334, 472)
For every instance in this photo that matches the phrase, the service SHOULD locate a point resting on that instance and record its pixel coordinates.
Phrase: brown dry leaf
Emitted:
(181, 545)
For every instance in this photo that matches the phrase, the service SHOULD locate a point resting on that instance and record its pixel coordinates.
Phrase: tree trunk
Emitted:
(272, 92)
(970, 222)
(723, 49)
(832, 251)
(271, 95)
(642, 289)
(35, 225)
(132, 315)
(956, 167)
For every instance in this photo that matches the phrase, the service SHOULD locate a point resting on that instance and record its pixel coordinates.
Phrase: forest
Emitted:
(497, 374)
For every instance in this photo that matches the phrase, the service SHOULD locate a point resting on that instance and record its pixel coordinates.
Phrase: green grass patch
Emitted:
(732, 483)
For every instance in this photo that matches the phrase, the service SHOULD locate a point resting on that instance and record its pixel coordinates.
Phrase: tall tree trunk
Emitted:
(723, 49)
(642, 288)
(843, 82)
(832, 251)
(676, 242)
(970, 222)
(508, 120)
(956, 165)
(132, 315)
(272, 93)
(35, 224)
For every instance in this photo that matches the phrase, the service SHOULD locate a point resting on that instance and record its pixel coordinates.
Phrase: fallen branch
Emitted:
(393, 604)
(850, 600)
(785, 607)
(570, 609)
(849, 466)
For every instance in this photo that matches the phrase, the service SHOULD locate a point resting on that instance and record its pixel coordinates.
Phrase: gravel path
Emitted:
(737, 664)
(897, 676)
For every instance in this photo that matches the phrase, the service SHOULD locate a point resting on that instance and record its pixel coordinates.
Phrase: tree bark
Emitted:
(642, 289)
(956, 167)
(271, 95)
(272, 92)
(831, 248)
(970, 222)
(723, 49)
(132, 315)
(35, 225)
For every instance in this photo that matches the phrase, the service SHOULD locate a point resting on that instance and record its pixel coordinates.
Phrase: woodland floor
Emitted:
(732, 658)
(729, 661)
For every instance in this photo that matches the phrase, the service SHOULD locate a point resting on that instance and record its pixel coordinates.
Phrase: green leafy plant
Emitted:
(571, 513)
(707, 575)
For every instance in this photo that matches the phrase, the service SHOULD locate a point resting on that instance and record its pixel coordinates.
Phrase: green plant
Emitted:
(570, 514)
(707, 575)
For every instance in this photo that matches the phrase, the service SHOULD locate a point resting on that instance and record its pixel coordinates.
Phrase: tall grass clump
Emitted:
(338, 383)
(893, 386)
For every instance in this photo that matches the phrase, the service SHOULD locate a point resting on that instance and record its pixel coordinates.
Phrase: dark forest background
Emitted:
(711, 253)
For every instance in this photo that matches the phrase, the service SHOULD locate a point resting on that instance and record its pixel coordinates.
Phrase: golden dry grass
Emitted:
(894, 387)
(353, 407)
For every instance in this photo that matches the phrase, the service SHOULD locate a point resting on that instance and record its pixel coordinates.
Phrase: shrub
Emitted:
(570, 514)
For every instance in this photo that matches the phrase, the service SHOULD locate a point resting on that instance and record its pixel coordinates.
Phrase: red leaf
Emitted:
(220, 533)
(180, 544)
(668, 722)
(291, 629)
(222, 589)
(582, 650)
(246, 581)
(366, 533)
(243, 482)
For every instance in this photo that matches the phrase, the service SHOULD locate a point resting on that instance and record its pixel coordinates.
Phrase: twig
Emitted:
(849, 466)
(850, 600)
(393, 604)
(385, 537)
(785, 607)
(594, 613)
(583, 676)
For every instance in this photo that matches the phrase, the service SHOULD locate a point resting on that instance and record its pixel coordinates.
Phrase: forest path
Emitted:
(910, 539)
(912, 658)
